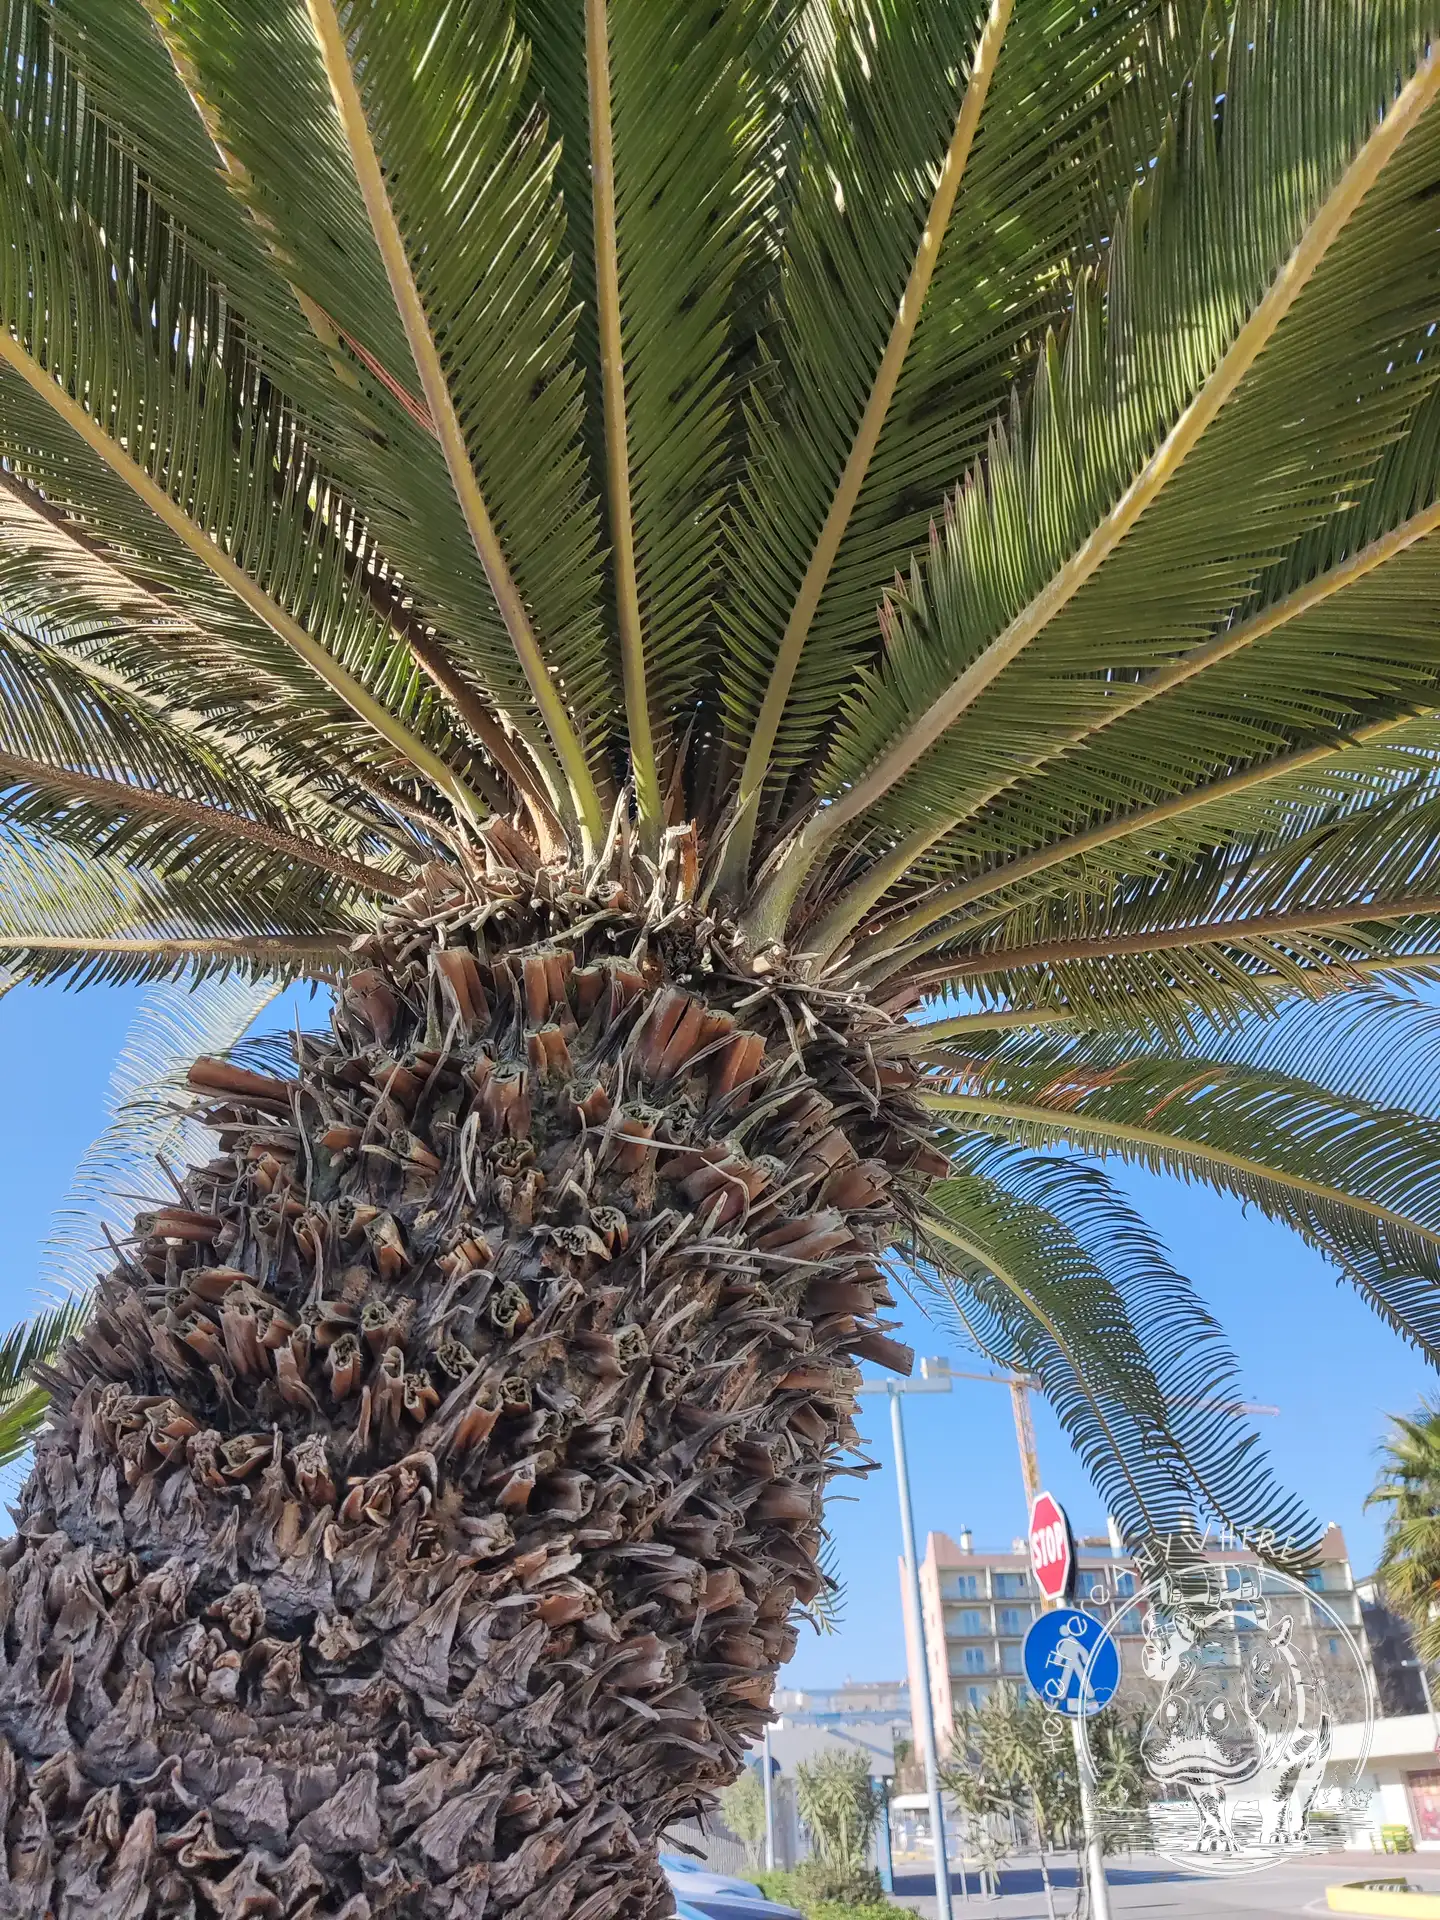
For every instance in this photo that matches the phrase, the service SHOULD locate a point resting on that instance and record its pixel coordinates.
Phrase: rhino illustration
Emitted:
(1250, 1757)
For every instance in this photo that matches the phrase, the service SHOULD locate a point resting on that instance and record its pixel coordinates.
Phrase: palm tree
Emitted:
(1409, 1485)
(799, 603)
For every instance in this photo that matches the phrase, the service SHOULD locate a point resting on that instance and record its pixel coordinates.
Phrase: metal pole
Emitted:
(1040, 1849)
(769, 1806)
(1094, 1853)
(884, 1852)
(923, 1705)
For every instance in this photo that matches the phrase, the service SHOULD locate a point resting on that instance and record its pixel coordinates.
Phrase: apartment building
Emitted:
(978, 1607)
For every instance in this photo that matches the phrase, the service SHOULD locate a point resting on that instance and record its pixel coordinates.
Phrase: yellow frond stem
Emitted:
(390, 244)
(852, 478)
(617, 445)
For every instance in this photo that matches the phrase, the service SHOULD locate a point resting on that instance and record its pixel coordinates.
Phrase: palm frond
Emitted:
(907, 283)
(1112, 474)
(1339, 628)
(446, 115)
(1044, 1263)
(1320, 857)
(1354, 1178)
(86, 916)
(1409, 1485)
(681, 128)
(54, 265)
(80, 762)
(215, 157)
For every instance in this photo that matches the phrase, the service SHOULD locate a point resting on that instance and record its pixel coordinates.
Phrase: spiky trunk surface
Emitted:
(431, 1496)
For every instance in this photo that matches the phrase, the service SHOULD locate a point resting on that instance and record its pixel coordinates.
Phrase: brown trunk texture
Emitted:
(431, 1496)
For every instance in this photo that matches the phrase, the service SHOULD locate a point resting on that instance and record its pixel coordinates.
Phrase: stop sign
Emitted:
(1052, 1551)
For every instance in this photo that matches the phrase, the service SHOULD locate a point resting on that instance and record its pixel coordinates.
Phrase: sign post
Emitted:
(1062, 1640)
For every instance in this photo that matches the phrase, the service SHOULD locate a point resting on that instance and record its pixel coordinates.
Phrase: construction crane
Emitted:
(1021, 1386)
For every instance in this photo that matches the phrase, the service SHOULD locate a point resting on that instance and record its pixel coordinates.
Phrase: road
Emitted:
(1144, 1889)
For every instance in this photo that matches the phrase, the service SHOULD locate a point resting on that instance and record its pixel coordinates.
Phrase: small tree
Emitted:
(1013, 1762)
(840, 1804)
(743, 1806)
(1005, 1770)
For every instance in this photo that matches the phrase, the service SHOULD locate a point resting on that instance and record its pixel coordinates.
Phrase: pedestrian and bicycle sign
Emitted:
(1071, 1662)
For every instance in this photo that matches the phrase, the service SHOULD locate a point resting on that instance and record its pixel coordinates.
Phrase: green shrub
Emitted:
(803, 1889)
(840, 1883)
(839, 1803)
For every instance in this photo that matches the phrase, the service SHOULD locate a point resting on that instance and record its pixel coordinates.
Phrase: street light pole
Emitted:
(769, 1805)
(924, 1708)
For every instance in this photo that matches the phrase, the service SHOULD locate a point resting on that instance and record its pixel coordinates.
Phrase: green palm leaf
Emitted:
(1355, 1178)
(899, 318)
(1217, 313)
(1046, 1267)
(22, 1403)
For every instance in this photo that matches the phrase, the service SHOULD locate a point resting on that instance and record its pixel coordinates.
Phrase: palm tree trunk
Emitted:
(432, 1491)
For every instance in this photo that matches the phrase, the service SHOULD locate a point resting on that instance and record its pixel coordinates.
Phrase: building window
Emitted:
(1011, 1660)
(1125, 1585)
(974, 1659)
(1010, 1586)
(1334, 1644)
(1089, 1583)
(1315, 1579)
(972, 1621)
(967, 1585)
(1130, 1622)
(1013, 1620)
(977, 1696)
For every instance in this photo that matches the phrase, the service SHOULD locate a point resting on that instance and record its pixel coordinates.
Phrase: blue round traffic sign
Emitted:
(1072, 1662)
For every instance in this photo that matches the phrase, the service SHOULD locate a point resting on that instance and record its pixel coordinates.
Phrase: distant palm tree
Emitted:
(647, 542)
(1409, 1485)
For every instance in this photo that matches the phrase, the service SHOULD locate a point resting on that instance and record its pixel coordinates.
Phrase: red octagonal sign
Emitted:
(1052, 1551)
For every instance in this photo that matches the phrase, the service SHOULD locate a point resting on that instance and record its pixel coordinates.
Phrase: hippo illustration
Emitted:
(1249, 1748)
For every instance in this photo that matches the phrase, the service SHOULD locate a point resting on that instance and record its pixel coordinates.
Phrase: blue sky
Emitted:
(1304, 1343)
